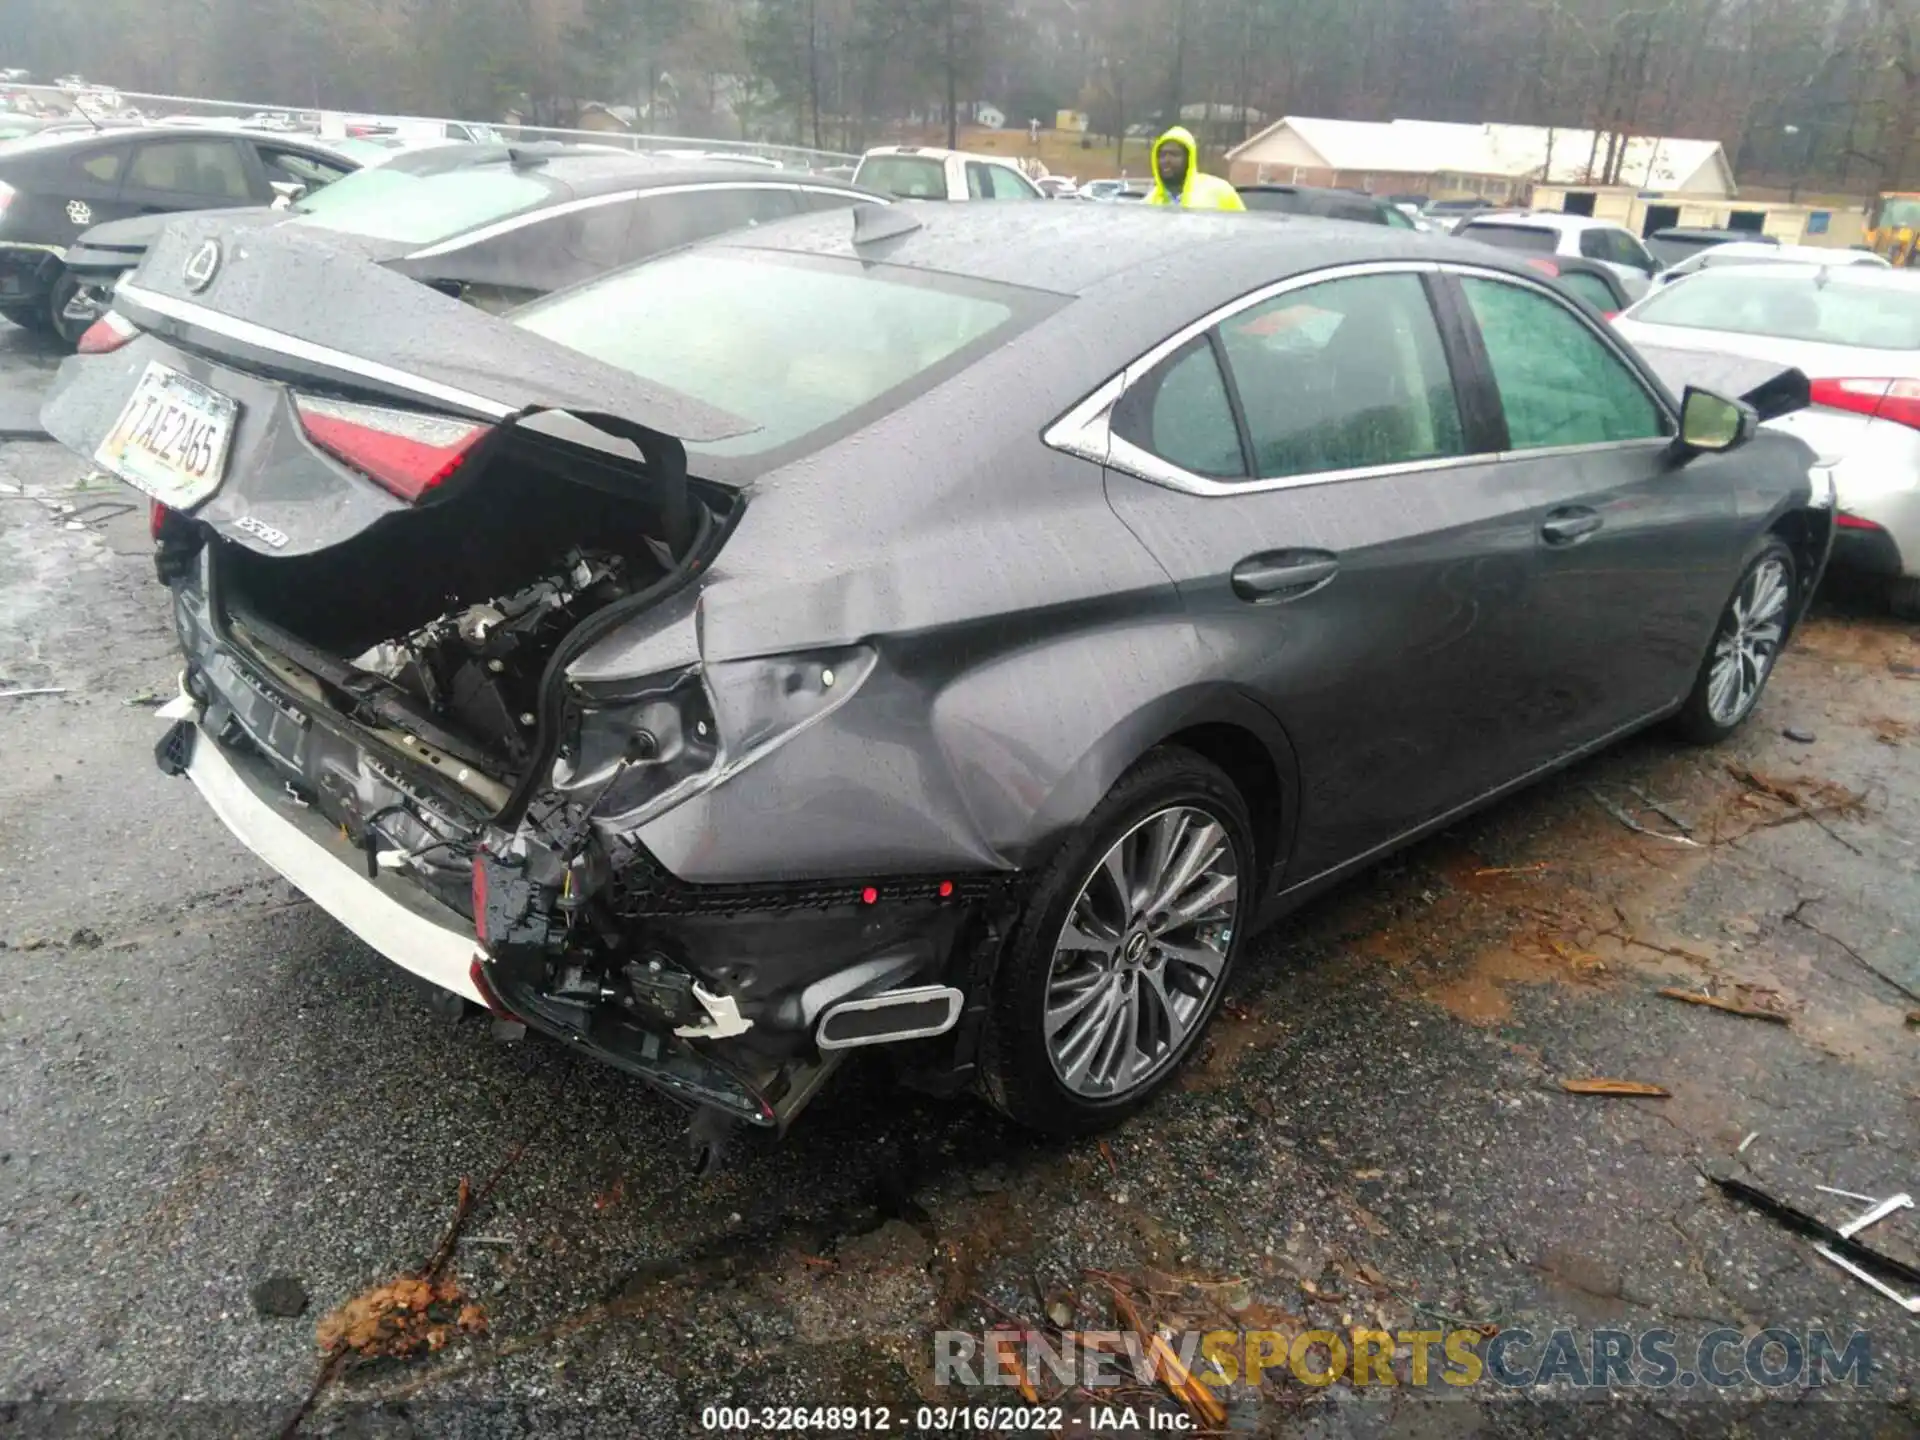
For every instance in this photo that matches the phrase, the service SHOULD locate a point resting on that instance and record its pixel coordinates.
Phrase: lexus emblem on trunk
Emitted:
(202, 266)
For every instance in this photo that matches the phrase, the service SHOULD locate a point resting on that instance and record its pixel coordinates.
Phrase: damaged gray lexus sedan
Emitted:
(957, 629)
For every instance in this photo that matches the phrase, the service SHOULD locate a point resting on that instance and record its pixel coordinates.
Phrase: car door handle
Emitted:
(1570, 526)
(1282, 575)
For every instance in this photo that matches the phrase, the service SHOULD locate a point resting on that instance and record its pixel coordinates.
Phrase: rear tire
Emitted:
(1746, 642)
(32, 316)
(65, 287)
(1903, 597)
(1128, 938)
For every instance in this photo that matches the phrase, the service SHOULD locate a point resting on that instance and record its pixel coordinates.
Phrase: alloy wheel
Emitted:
(1141, 953)
(1748, 642)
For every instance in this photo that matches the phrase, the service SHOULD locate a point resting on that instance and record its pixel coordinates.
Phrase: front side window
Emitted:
(204, 169)
(1342, 376)
(1590, 288)
(1559, 383)
(1181, 413)
(299, 168)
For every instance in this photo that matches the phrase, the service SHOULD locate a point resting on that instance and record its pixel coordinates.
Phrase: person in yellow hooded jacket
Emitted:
(1177, 178)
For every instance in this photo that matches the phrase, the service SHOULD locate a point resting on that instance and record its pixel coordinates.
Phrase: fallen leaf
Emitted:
(1368, 1174)
(1614, 1087)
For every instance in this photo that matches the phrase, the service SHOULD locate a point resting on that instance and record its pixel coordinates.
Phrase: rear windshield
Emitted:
(795, 344)
(911, 177)
(1530, 238)
(1792, 307)
(410, 209)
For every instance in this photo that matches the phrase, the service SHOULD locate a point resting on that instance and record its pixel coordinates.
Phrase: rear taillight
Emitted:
(1544, 266)
(403, 451)
(157, 517)
(1853, 522)
(1894, 400)
(109, 332)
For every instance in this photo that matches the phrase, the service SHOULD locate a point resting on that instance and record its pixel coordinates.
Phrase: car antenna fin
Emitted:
(875, 222)
(522, 159)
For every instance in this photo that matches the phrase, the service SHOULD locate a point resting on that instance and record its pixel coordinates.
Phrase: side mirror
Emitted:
(1713, 423)
(285, 192)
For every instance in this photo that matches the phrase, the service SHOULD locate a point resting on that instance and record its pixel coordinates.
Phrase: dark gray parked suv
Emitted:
(952, 628)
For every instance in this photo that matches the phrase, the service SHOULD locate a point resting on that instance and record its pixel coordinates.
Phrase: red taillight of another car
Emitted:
(106, 334)
(1854, 522)
(1876, 398)
(403, 451)
(7, 193)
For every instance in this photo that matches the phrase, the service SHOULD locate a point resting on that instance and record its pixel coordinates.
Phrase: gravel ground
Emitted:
(209, 1085)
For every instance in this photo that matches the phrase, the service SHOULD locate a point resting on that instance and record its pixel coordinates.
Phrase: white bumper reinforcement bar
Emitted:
(413, 930)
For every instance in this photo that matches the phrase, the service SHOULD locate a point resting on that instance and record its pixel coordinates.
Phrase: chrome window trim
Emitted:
(292, 346)
(1086, 429)
(589, 202)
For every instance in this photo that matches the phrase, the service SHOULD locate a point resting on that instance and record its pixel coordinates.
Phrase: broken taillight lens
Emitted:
(403, 451)
(108, 333)
(1897, 401)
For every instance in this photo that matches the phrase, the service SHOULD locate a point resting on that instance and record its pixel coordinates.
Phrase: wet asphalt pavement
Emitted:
(206, 1084)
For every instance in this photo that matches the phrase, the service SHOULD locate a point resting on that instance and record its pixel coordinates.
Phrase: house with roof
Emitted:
(1500, 163)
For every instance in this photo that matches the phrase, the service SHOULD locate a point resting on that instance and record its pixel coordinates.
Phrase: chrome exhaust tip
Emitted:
(912, 1014)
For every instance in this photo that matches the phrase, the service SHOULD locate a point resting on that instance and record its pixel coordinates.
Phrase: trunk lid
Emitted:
(272, 313)
(119, 243)
(310, 297)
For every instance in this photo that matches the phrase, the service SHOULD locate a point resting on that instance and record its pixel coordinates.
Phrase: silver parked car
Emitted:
(953, 628)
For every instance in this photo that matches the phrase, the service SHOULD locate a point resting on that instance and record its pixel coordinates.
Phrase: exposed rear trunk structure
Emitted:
(442, 620)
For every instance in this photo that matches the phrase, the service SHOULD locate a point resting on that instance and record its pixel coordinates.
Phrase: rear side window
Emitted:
(209, 169)
(666, 222)
(104, 167)
(911, 177)
(1181, 413)
(1529, 238)
(1559, 383)
(1343, 376)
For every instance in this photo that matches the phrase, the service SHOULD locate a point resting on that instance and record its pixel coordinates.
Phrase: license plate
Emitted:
(171, 439)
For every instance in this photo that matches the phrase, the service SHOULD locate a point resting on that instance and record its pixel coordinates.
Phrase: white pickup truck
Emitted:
(921, 172)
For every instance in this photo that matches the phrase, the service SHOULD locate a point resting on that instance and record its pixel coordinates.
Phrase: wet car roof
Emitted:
(1079, 250)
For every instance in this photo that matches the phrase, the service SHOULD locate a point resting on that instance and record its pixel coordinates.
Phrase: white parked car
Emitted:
(1548, 232)
(922, 172)
(1745, 252)
(1854, 331)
